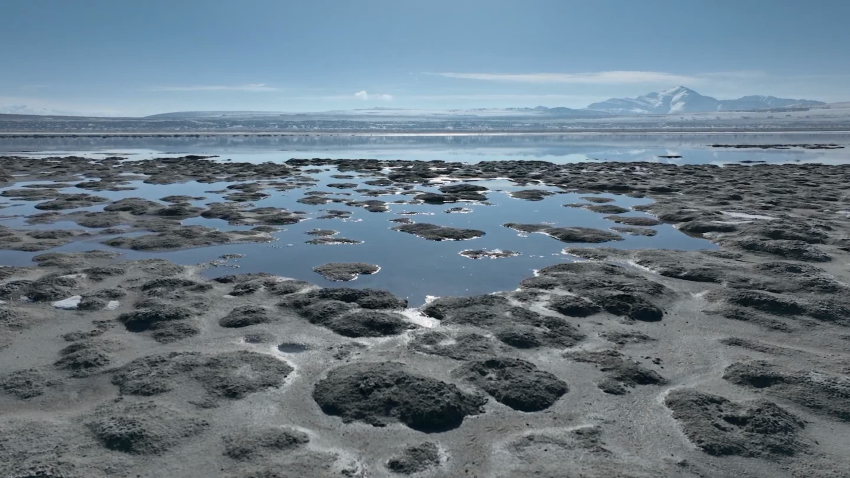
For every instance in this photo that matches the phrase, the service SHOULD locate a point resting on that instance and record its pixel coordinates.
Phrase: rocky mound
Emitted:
(573, 306)
(383, 393)
(514, 382)
(722, 427)
(230, 375)
(345, 271)
(433, 232)
(86, 357)
(250, 443)
(415, 459)
(515, 326)
(820, 392)
(145, 428)
(615, 289)
(24, 384)
(468, 346)
(244, 316)
(620, 372)
(531, 194)
(567, 234)
(183, 237)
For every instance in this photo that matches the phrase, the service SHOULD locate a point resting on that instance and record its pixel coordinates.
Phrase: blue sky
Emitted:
(145, 57)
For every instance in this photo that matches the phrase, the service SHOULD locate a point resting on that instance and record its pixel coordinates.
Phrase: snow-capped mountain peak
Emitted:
(685, 100)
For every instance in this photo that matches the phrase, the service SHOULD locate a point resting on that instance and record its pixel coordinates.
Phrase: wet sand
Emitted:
(638, 363)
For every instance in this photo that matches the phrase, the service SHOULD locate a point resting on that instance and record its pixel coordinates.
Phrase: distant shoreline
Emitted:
(21, 135)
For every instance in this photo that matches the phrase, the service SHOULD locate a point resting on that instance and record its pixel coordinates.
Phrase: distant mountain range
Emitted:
(539, 112)
(673, 101)
(685, 100)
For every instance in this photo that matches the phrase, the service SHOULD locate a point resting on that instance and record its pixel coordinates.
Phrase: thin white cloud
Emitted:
(505, 97)
(599, 77)
(362, 95)
(38, 106)
(248, 87)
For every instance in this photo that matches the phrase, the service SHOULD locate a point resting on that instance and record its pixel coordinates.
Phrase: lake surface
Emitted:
(693, 148)
(411, 267)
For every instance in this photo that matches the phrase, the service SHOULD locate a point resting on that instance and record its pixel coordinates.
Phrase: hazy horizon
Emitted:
(95, 57)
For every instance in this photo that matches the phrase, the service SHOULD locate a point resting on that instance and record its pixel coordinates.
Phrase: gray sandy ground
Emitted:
(615, 363)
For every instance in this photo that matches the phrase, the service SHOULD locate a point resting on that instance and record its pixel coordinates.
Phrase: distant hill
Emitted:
(537, 112)
(685, 100)
(213, 114)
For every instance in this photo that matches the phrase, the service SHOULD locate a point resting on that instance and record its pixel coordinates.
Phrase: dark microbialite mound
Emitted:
(322, 232)
(433, 232)
(468, 346)
(573, 306)
(733, 303)
(144, 318)
(635, 231)
(135, 206)
(820, 392)
(366, 323)
(15, 319)
(350, 312)
(345, 271)
(634, 220)
(168, 332)
(567, 234)
(332, 241)
(787, 249)
(620, 372)
(70, 201)
(514, 382)
(415, 459)
(250, 443)
(145, 428)
(606, 209)
(515, 326)
(24, 384)
(531, 194)
(72, 259)
(86, 357)
(244, 316)
(722, 427)
(461, 188)
(182, 237)
(597, 199)
(365, 298)
(617, 290)
(384, 393)
(230, 375)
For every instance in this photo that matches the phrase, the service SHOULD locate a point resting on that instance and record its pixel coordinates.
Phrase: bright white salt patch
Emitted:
(420, 319)
(112, 305)
(747, 216)
(68, 304)
(639, 267)
(73, 276)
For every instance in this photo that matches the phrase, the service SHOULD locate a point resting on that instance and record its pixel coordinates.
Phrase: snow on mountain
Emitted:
(761, 102)
(685, 100)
